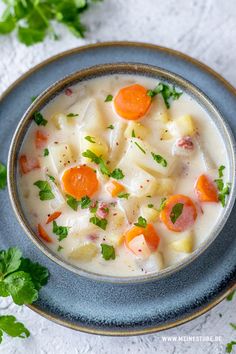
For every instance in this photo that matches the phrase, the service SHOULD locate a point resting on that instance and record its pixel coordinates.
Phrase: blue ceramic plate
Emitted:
(122, 309)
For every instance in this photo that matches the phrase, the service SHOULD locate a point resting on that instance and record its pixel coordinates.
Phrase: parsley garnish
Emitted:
(46, 152)
(176, 212)
(72, 115)
(223, 188)
(51, 178)
(140, 147)
(229, 346)
(133, 134)
(117, 174)
(33, 98)
(59, 248)
(90, 139)
(150, 205)
(72, 202)
(141, 222)
(93, 207)
(108, 98)
(108, 252)
(85, 202)
(162, 204)
(60, 231)
(167, 92)
(111, 126)
(233, 325)
(39, 120)
(231, 295)
(3, 176)
(12, 327)
(159, 159)
(45, 192)
(34, 20)
(98, 160)
(102, 223)
(123, 195)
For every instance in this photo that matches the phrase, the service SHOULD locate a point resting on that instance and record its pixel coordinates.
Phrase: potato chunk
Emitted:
(93, 119)
(137, 129)
(184, 244)
(61, 121)
(182, 126)
(84, 252)
(142, 154)
(165, 186)
(61, 155)
(96, 144)
(150, 214)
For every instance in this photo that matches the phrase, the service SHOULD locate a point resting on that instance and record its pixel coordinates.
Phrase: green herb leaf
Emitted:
(102, 223)
(231, 295)
(39, 274)
(108, 98)
(46, 152)
(93, 207)
(159, 159)
(176, 212)
(33, 98)
(123, 195)
(167, 92)
(220, 171)
(12, 327)
(133, 134)
(90, 139)
(85, 202)
(117, 174)
(98, 160)
(150, 205)
(51, 178)
(141, 222)
(110, 126)
(7, 24)
(45, 190)
(108, 252)
(72, 115)
(162, 205)
(60, 231)
(72, 202)
(59, 248)
(229, 346)
(30, 36)
(220, 184)
(10, 261)
(143, 151)
(233, 325)
(39, 120)
(3, 176)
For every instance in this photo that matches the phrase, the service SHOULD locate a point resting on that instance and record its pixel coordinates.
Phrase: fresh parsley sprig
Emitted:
(108, 251)
(223, 188)
(142, 222)
(13, 328)
(167, 91)
(45, 190)
(60, 231)
(176, 211)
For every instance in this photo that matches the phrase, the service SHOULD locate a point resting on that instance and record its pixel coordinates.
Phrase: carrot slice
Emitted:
(28, 164)
(40, 139)
(53, 216)
(114, 188)
(149, 233)
(43, 234)
(185, 219)
(132, 102)
(80, 181)
(206, 190)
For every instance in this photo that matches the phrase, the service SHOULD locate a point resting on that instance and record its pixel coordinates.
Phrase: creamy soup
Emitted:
(122, 175)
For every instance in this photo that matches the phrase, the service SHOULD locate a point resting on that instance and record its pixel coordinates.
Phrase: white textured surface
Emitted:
(205, 29)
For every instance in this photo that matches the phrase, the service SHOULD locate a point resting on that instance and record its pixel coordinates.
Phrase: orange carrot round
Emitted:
(80, 181)
(206, 189)
(132, 102)
(40, 139)
(149, 233)
(28, 164)
(43, 234)
(53, 216)
(179, 213)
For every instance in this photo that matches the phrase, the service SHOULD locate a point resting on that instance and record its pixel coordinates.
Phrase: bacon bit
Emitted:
(53, 216)
(185, 143)
(28, 164)
(103, 210)
(93, 238)
(68, 92)
(40, 139)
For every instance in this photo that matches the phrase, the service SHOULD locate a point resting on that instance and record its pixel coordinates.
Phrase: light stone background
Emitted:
(204, 29)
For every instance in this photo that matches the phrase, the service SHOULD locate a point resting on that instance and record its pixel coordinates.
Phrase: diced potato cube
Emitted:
(138, 129)
(165, 135)
(165, 186)
(61, 155)
(93, 119)
(97, 145)
(142, 154)
(154, 263)
(182, 126)
(150, 214)
(184, 244)
(84, 252)
(130, 207)
(61, 121)
(116, 142)
(114, 238)
(139, 247)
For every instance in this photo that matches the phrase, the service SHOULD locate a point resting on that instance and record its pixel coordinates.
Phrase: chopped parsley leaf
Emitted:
(60, 231)
(162, 204)
(33, 98)
(231, 295)
(51, 178)
(109, 98)
(141, 222)
(93, 207)
(150, 205)
(102, 223)
(72, 115)
(39, 120)
(98, 160)
(167, 92)
(90, 139)
(59, 248)
(3, 176)
(133, 134)
(45, 192)
(143, 151)
(111, 126)
(223, 188)
(46, 152)
(159, 159)
(72, 202)
(176, 212)
(229, 346)
(108, 252)
(220, 171)
(117, 174)
(123, 195)
(85, 202)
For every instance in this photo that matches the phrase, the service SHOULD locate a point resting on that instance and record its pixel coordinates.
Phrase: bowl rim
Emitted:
(104, 70)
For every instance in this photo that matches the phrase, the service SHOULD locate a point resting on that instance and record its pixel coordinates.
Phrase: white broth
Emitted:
(116, 182)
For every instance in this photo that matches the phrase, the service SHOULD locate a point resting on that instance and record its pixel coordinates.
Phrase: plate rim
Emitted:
(158, 48)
